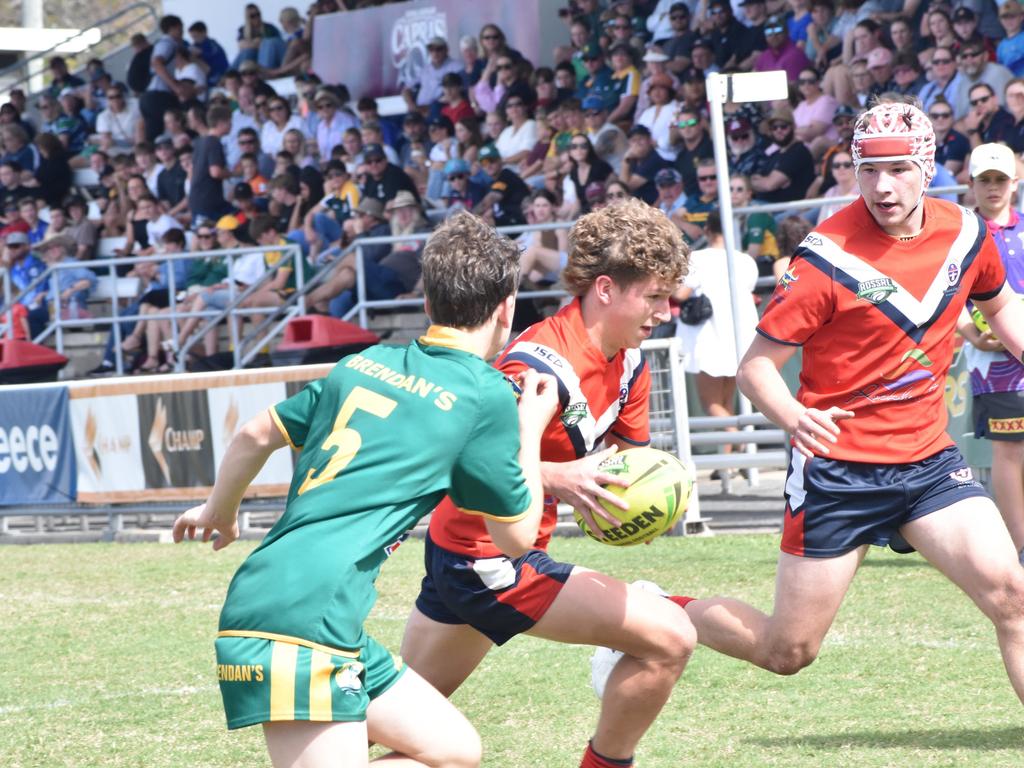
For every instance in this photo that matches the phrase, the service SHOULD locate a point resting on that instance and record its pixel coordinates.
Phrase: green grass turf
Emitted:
(107, 660)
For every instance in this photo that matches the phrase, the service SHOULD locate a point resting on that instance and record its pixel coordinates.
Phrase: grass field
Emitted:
(107, 661)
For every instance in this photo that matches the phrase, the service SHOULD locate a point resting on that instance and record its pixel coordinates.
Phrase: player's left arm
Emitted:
(1005, 315)
(242, 461)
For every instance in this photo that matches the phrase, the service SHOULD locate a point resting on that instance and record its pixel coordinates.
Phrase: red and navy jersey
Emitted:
(876, 318)
(598, 397)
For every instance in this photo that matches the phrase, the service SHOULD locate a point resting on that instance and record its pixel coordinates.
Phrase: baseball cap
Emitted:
(16, 238)
(666, 177)
(414, 117)
(229, 222)
(456, 165)
(489, 152)
(639, 130)
(879, 57)
(594, 192)
(243, 191)
(738, 125)
(373, 151)
(844, 110)
(591, 51)
(593, 103)
(775, 24)
(621, 48)
(703, 42)
(963, 14)
(443, 121)
(993, 157)
(437, 42)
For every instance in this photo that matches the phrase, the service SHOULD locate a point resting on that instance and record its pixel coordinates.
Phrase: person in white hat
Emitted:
(872, 297)
(655, 63)
(997, 378)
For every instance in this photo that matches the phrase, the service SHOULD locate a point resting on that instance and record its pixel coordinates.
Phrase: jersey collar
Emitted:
(448, 337)
(1014, 220)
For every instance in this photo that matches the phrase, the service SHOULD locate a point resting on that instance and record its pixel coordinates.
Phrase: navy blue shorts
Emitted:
(499, 597)
(833, 507)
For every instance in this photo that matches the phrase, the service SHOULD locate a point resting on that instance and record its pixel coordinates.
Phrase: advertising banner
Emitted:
(231, 408)
(106, 433)
(37, 457)
(379, 51)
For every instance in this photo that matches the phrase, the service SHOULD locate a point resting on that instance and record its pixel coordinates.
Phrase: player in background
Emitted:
(624, 264)
(873, 297)
(997, 377)
(383, 438)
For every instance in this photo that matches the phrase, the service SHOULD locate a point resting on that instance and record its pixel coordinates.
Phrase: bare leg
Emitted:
(301, 744)
(443, 654)
(969, 543)
(1008, 486)
(808, 593)
(652, 632)
(341, 278)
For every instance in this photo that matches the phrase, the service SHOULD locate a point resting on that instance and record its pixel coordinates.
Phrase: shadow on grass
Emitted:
(906, 561)
(990, 739)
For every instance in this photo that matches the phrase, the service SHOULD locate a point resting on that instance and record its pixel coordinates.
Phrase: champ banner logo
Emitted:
(230, 408)
(106, 431)
(175, 430)
(37, 456)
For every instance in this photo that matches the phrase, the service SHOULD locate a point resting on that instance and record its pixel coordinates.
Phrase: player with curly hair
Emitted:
(873, 297)
(624, 264)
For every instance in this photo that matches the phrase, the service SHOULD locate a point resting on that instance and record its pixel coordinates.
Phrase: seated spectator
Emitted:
(626, 80)
(11, 188)
(210, 51)
(1014, 97)
(24, 267)
(641, 164)
(791, 168)
(147, 165)
(792, 231)
(323, 223)
(757, 229)
(660, 116)
(782, 53)
(608, 139)
(734, 45)
(373, 133)
(467, 132)
(462, 191)
(1010, 51)
(843, 121)
(671, 196)
(813, 115)
(74, 284)
(176, 131)
(385, 179)
(543, 84)
(692, 218)
(691, 142)
(425, 94)
(17, 149)
(951, 146)
(823, 46)
(443, 148)
(148, 225)
(472, 64)
(298, 52)
(679, 45)
(29, 214)
(118, 124)
(519, 137)
(615, 191)
(294, 142)
(284, 200)
(987, 122)
(655, 65)
(9, 115)
(273, 291)
(841, 165)
(414, 132)
(585, 168)
(746, 147)
(53, 176)
(502, 206)
(945, 82)
(170, 182)
(599, 81)
(908, 75)
(259, 41)
(333, 121)
(545, 252)
(80, 228)
(453, 97)
(60, 78)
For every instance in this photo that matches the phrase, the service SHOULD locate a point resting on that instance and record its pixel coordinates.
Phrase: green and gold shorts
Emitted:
(265, 678)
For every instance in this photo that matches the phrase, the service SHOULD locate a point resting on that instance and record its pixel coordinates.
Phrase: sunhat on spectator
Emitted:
(325, 94)
(56, 241)
(655, 54)
(778, 115)
(404, 199)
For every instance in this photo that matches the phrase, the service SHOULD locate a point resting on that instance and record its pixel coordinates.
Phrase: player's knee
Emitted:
(674, 642)
(466, 752)
(1005, 606)
(790, 659)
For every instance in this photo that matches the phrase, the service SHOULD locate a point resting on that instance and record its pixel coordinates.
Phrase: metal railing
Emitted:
(118, 25)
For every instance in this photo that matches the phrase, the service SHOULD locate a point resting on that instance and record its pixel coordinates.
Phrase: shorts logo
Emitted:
(347, 677)
(876, 291)
(952, 274)
(573, 414)
(962, 476)
(1006, 426)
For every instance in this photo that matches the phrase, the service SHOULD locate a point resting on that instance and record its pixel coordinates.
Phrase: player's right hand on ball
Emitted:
(200, 518)
(816, 430)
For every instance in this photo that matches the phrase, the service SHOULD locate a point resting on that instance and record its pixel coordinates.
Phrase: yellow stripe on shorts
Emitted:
(320, 670)
(282, 681)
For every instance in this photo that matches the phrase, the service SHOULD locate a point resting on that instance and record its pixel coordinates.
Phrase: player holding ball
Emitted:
(624, 264)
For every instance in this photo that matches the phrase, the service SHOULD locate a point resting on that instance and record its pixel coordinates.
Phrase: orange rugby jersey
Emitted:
(598, 397)
(876, 318)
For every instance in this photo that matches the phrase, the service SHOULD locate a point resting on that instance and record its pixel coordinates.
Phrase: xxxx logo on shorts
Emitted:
(1006, 426)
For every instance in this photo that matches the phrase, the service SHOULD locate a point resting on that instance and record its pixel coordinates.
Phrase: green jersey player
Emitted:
(382, 439)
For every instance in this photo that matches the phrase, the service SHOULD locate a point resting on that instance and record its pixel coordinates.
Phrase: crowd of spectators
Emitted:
(196, 150)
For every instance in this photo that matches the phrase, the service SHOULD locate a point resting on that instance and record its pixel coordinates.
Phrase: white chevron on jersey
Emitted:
(917, 312)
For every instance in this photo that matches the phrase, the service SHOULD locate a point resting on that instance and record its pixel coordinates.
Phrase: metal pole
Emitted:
(717, 88)
(32, 18)
(361, 287)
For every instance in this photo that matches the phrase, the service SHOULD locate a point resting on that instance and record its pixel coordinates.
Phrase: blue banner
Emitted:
(37, 455)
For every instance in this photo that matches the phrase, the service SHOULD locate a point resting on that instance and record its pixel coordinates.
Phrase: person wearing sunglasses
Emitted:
(462, 191)
(951, 146)
(586, 168)
(1010, 51)
(259, 41)
(733, 43)
(116, 124)
(790, 169)
(691, 141)
(745, 145)
(609, 141)
(425, 92)
(781, 53)
(945, 81)
(662, 113)
(641, 164)
(974, 68)
(987, 122)
(813, 114)
(841, 167)
(598, 81)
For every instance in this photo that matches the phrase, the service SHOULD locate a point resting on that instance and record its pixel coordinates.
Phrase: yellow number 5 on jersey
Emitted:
(343, 438)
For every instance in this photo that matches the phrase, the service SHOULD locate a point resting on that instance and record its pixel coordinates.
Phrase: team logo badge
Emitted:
(623, 395)
(574, 414)
(952, 274)
(876, 291)
(962, 476)
(787, 280)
